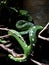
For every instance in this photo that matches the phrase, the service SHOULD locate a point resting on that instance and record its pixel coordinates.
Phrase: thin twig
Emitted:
(8, 45)
(11, 51)
(36, 62)
(4, 29)
(5, 36)
(44, 64)
(39, 35)
(31, 54)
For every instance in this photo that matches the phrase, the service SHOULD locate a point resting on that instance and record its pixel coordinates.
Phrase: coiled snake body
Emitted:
(24, 28)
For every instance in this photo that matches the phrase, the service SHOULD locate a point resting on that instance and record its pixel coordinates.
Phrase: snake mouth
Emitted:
(17, 55)
(20, 55)
(18, 59)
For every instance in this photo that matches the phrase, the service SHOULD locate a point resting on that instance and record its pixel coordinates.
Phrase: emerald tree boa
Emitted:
(24, 28)
(31, 29)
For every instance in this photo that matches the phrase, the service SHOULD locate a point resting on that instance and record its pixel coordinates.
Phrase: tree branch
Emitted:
(4, 29)
(14, 54)
(36, 62)
(5, 36)
(8, 45)
(39, 35)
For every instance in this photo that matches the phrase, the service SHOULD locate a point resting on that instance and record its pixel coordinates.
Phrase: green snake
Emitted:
(25, 27)
(29, 28)
(26, 48)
